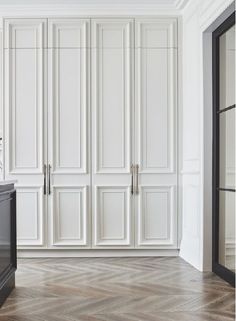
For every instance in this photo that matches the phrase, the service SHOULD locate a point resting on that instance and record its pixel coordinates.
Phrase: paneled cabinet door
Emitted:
(112, 111)
(155, 132)
(26, 119)
(69, 132)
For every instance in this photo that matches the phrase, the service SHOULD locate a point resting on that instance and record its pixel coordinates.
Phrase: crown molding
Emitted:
(87, 10)
(180, 4)
(94, 7)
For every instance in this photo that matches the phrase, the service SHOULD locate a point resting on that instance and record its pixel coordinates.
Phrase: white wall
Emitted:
(196, 130)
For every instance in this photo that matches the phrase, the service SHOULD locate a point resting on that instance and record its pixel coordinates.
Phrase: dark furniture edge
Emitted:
(7, 286)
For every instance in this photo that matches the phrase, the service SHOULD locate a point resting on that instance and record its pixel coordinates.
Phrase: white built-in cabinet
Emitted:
(112, 122)
(26, 123)
(155, 136)
(90, 131)
(69, 132)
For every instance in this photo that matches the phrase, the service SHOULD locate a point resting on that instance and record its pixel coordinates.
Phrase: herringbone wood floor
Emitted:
(116, 289)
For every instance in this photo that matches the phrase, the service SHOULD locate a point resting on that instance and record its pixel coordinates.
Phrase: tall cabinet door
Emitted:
(112, 112)
(25, 124)
(69, 132)
(155, 133)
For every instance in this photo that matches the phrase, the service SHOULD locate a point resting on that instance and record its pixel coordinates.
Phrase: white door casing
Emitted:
(112, 110)
(69, 132)
(25, 123)
(155, 132)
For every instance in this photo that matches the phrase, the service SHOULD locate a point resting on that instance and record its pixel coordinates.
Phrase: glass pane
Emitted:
(227, 229)
(227, 68)
(227, 149)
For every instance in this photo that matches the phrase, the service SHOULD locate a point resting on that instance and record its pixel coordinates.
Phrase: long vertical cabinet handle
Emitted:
(137, 182)
(44, 179)
(49, 179)
(132, 179)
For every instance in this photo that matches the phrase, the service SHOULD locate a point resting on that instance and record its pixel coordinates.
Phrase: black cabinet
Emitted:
(7, 240)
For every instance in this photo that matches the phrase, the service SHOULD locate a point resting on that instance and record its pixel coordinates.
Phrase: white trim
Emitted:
(142, 6)
(181, 4)
(85, 11)
(95, 253)
(197, 17)
(209, 15)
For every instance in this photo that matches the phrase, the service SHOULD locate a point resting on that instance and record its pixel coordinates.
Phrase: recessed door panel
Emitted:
(156, 216)
(25, 33)
(112, 33)
(156, 98)
(112, 217)
(30, 216)
(25, 150)
(70, 216)
(112, 94)
(69, 106)
(68, 33)
(113, 110)
(156, 33)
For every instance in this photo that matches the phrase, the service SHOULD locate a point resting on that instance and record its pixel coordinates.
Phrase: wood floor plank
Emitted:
(117, 289)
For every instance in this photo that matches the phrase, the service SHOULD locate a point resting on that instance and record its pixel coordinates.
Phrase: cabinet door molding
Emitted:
(156, 33)
(112, 216)
(69, 132)
(156, 96)
(156, 132)
(68, 33)
(25, 33)
(70, 218)
(26, 123)
(156, 216)
(112, 33)
(112, 103)
(30, 216)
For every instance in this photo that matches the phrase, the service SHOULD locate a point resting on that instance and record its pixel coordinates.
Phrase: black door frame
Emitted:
(219, 269)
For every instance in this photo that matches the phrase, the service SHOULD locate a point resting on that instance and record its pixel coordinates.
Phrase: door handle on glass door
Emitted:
(137, 188)
(44, 179)
(49, 179)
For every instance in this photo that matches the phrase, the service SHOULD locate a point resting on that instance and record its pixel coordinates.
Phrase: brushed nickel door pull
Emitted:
(132, 179)
(44, 179)
(49, 179)
(137, 182)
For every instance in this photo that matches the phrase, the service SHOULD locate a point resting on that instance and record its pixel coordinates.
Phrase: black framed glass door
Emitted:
(224, 158)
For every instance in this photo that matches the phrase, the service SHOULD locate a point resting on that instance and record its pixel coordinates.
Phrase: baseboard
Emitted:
(94, 253)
